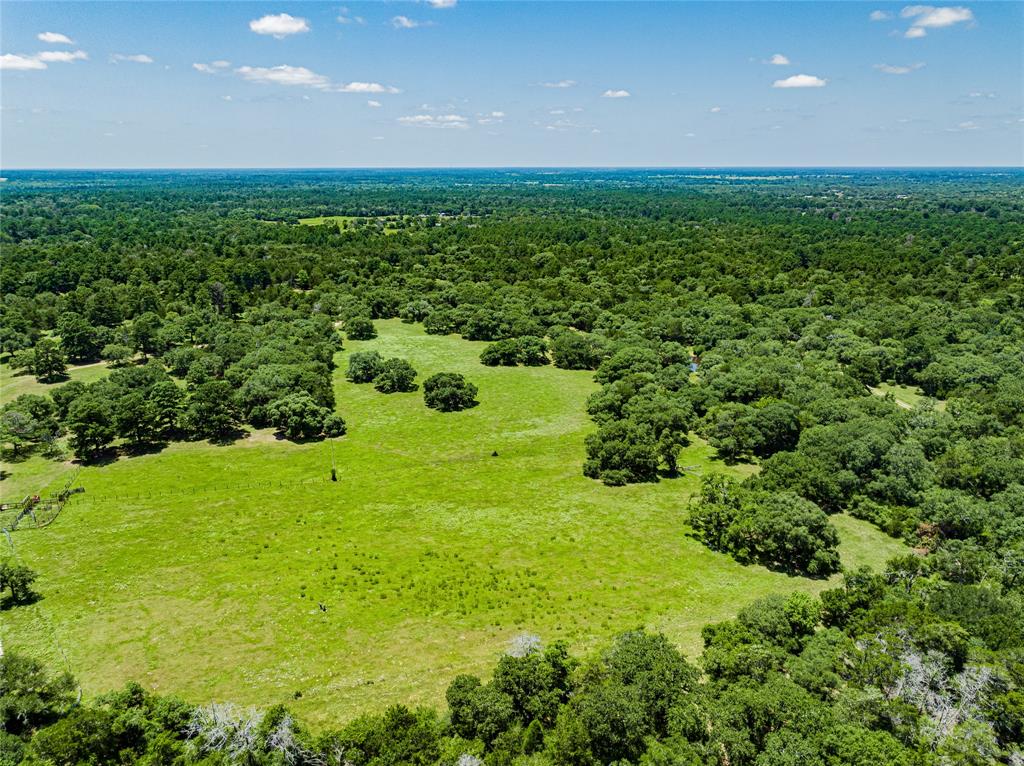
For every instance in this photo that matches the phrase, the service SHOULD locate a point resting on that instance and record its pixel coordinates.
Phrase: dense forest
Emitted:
(762, 312)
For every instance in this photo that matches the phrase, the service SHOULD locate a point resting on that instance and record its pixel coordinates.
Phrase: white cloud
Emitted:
(374, 104)
(690, 135)
(880, 16)
(212, 67)
(442, 3)
(345, 18)
(15, 61)
(936, 18)
(54, 38)
(558, 84)
(616, 94)
(284, 75)
(135, 58)
(435, 121)
(366, 87)
(404, 22)
(491, 118)
(61, 57)
(715, 109)
(929, 17)
(778, 60)
(892, 69)
(564, 124)
(800, 81)
(963, 126)
(279, 26)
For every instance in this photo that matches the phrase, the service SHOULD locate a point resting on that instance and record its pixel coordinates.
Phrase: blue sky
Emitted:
(443, 83)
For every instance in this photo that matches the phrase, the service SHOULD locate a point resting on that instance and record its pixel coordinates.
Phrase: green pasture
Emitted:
(13, 385)
(201, 570)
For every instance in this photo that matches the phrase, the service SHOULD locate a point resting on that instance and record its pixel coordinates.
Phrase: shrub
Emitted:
(449, 392)
(779, 530)
(360, 328)
(298, 416)
(395, 376)
(504, 353)
(363, 366)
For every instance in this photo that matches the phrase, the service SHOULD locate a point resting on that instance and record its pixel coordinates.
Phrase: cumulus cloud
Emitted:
(374, 104)
(61, 57)
(284, 75)
(54, 38)
(456, 121)
(280, 25)
(135, 58)
(616, 94)
(779, 60)
(929, 17)
(715, 109)
(880, 16)
(19, 62)
(41, 60)
(366, 87)
(891, 69)
(558, 84)
(404, 22)
(800, 81)
(442, 3)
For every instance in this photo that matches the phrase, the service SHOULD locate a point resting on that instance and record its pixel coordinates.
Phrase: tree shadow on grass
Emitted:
(8, 601)
(144, 448)
(228, 438)
(101, 458)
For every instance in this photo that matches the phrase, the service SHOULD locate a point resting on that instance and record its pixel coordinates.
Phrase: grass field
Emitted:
(200, 570)
(14, 385)
(348, 221)
(907, 397)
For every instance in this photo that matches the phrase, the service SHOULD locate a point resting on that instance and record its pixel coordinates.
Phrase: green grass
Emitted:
(199, 570)
(907, 397)
(13, 385)
(349, 221)
(342, 221)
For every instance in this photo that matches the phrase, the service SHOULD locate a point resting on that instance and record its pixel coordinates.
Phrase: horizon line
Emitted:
(501, 167)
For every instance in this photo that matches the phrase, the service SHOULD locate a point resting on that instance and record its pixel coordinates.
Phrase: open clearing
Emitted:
(199, 570)
(906, 397)
(14, 385)
(387, 224)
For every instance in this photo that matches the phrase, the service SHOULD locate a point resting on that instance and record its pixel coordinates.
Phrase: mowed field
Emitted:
(243, 573)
